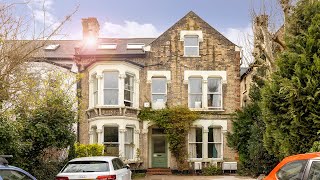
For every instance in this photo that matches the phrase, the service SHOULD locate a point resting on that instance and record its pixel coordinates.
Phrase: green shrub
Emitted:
(176, 121)
(84, 150)
(138, 175)
(48, 169)
(211, 170)
(315, 147)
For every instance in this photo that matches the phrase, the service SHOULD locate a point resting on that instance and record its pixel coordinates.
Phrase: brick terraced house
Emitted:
(190, 64)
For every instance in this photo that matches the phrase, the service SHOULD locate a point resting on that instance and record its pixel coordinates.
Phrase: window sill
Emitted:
(205, 159)
(112, 107)
(102, 111)
(207, 110)
(191, 56)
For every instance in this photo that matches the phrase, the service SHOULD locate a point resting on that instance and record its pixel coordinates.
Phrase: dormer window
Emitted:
(107, 46)
(191, 46)
(52, 47)
(135, 46)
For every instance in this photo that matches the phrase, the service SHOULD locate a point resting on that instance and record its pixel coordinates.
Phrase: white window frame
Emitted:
(52, 47)
(189, 93)
(111, 143)
(128, 144)
(185, 46)
(131, 101)
(195, 143)
(215, 142)
(95, 89)
(104, 89)
(166, 89)
(135, 45)
(107, 46)
(215, 93)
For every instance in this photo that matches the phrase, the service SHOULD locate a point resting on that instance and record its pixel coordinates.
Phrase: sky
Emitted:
(150, 18)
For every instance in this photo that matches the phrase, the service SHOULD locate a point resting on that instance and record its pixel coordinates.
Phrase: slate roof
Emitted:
(121, 46)
(66, 49)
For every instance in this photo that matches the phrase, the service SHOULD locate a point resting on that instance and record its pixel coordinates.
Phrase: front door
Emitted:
(159, 152)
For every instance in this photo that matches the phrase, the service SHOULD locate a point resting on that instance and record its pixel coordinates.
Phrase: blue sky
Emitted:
(149, 18)
(153, 15)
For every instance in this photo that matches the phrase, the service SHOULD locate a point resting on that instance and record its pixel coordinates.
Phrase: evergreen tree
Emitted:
(247, 136)
(291, 100)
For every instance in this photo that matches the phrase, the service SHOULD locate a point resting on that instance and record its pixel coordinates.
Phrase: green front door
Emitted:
(159, 152)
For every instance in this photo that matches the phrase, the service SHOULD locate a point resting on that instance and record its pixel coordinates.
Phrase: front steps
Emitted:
(159, 171)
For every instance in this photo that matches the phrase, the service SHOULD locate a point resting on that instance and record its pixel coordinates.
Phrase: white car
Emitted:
(98, 167)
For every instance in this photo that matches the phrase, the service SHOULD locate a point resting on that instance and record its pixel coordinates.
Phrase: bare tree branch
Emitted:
(16, 52)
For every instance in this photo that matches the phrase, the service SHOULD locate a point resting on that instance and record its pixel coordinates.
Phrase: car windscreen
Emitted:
(86, 166)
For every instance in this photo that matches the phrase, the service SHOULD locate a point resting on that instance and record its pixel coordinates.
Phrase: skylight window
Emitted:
(52, 47)
(107, 46)
(135, 45)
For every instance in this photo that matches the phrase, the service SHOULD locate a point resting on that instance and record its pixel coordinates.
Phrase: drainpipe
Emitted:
(79, 108)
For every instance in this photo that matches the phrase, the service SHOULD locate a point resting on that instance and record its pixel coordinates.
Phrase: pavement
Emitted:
(173, 177)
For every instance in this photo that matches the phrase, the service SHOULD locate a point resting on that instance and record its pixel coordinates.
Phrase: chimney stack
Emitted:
(90, 28)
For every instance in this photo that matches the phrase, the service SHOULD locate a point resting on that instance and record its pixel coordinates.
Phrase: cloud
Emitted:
(41, 4)
(42, 11)
(242, 37)
(129, 29)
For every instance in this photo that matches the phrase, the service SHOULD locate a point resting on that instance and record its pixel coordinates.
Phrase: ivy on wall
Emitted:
(176, 122)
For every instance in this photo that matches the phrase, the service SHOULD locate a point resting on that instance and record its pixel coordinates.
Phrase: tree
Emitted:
(36, 113)
(266, 42)
(15, 51)
(291, 100)
(248, 124)
(47, 127)
(247, 133)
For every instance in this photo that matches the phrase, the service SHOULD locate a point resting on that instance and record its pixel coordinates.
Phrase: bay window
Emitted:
(159, 89)
(128, 90)
(195, 92)
(129, 143)
(214, 93)
(111, 88)
(214, 142)
(111, 141)
(195, 142)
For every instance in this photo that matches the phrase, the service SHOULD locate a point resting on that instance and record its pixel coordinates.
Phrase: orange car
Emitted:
(297, 167)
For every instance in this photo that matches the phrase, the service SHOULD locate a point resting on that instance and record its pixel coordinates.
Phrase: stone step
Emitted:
(159, 171)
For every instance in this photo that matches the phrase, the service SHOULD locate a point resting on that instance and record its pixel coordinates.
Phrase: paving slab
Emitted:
(173, 177)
